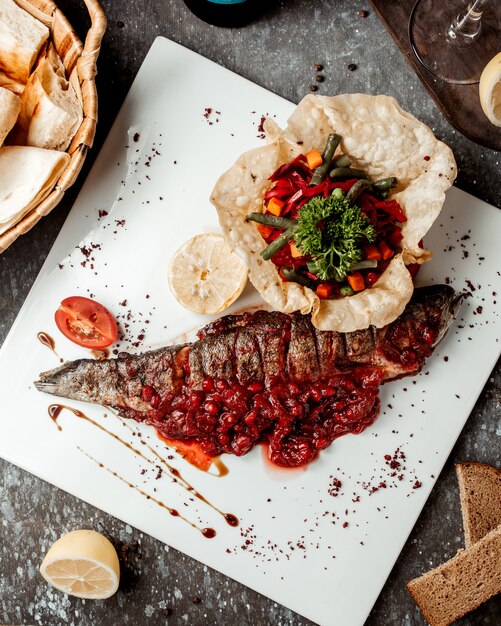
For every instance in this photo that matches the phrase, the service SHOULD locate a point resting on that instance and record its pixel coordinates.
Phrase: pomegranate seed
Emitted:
(147, 393)
(210, 407)
(208, 384)
(316, 394)
(250, 418)
(255, 387)
(155, 401)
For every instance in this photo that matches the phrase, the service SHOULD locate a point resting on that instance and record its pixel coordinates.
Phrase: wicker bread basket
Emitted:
(79, 61)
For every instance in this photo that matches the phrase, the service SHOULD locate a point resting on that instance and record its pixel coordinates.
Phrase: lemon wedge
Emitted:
(82, 563)
(205, 275)
(490, 90)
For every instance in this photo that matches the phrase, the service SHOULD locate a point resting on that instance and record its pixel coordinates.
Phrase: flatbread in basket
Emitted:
(43, 61)
(383, 140)
(26, 176)
(10, 105)
(50, 110)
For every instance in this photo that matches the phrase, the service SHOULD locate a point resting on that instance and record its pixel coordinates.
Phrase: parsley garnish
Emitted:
(332, 231)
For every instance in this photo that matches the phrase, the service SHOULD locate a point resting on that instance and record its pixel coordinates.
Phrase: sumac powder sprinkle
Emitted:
(313, 88)
(352, 67)
(319, 78)
(318, 67)
(363, 13)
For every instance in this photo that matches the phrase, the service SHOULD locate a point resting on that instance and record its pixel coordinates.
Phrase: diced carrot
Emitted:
(314, 159)
(294, 251)
(371, 253)
(356, 281)
(386, 251)
(264, 230)
(275, 206)
(324, 290)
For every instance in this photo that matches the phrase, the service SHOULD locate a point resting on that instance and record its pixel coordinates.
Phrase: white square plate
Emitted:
(324, 555)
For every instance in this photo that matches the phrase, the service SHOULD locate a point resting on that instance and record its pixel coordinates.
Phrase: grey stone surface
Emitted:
(160, 584)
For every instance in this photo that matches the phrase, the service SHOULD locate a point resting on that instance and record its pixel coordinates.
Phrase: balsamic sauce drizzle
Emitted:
(46, 340)
(54, 411)
(179, 478)
(208, 533)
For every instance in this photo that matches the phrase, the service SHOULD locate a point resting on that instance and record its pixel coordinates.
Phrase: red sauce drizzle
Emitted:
(231, 519)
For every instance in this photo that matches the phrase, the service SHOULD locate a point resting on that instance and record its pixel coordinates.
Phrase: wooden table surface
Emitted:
(161, 585)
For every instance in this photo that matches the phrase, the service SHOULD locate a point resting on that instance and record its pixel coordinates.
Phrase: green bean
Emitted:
(384, 194)
(357, 189)
(277, 244)
(312, 267)
(385, 183)
(343, 160)
(363, 265)
(271, 220)
(346, 290)
(347, 172)
(321, 171)
(291, 274)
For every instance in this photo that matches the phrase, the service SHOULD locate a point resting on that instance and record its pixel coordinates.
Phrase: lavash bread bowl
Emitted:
(44, 64)
(380, 138)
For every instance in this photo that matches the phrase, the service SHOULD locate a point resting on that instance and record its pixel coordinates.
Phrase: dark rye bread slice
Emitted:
(480, 493)
(460, 585)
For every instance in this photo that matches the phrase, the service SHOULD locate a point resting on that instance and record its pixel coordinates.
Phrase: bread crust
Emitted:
(480, 495)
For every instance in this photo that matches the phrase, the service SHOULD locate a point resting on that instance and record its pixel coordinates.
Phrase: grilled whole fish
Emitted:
(265, 376)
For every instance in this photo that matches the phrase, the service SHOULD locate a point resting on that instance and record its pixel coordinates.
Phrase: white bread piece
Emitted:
(51, 112)
(480, 494)
(27, 175)
(455, 588)
(11, 84)
(21, 38)
(10, 105)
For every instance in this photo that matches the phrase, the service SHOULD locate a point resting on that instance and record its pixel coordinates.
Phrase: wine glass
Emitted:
(455, 41)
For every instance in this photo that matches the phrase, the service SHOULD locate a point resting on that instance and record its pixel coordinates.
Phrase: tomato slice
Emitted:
(86, 322)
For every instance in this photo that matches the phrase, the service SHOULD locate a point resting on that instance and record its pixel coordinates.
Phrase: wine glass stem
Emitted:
(466, 26)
